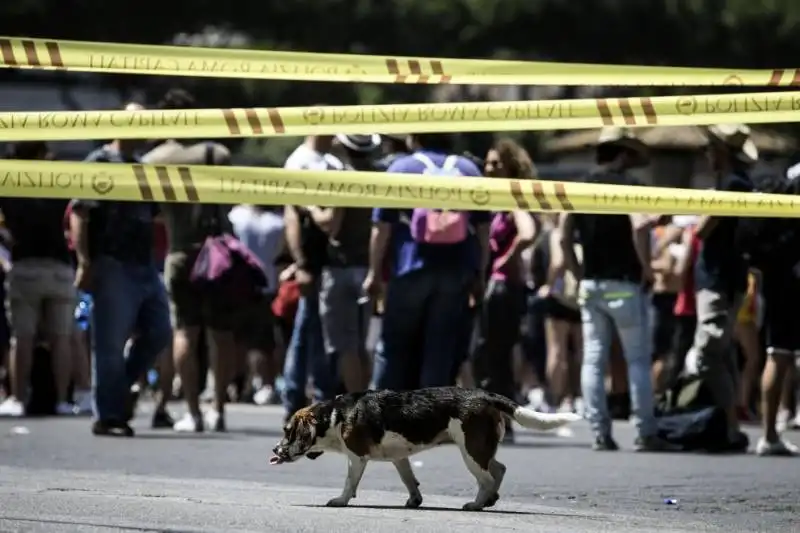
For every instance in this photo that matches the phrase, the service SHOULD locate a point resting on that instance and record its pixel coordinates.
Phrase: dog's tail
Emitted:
(531, 419)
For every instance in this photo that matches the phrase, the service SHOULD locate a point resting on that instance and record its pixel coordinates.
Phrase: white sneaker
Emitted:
(83, 402)
(189, 424)
(12, 407)
(264, 395)
(214, 420)
(780, 448)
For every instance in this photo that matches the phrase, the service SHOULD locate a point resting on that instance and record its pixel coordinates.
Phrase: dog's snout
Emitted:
(276, 450)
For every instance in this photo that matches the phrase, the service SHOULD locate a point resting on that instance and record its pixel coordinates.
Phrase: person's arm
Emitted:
(566, 240)
(79, 231)
(526, 233)
(642, 225)
(706, 225)
(685, 264)
(378, 242)
(294, 242)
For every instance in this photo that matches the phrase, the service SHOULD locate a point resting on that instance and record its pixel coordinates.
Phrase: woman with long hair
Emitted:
(503, 305)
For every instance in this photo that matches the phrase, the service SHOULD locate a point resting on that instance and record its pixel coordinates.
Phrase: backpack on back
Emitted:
(437, 226)
(765, 240)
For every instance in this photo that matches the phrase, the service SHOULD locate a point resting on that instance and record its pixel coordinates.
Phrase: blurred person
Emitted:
(80, 343)
(537, 260)
(344, 316)
(500, 315)
(114, 248)
(392, 147)
(666, 284)
(188, 226)
(437, 261)
(780, 281)
(721, 275)
(40, 290)
(308, 246)
(261, 229)
(747, 333)
(685, 308)
(614, 272)
(562, 328)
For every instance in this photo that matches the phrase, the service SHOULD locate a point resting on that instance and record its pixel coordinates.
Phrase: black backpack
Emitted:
(765, 241)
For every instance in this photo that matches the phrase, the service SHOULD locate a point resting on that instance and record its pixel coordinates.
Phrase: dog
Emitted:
(392, 426)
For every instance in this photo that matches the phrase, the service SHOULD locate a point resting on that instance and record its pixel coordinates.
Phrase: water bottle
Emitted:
(83, 311)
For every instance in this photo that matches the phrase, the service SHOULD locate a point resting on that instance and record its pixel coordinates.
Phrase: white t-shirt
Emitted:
(261, 232)
(305, 158)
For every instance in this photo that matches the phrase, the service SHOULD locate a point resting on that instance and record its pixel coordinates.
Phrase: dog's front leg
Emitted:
(355, 469)
(408, 478)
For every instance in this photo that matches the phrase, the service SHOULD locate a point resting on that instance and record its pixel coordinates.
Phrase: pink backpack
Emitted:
(436, 226)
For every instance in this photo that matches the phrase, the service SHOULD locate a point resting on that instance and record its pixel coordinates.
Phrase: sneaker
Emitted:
(778, 448)
(215, 420)
(112, 428)
(66, 409)
(794, 424)
(131, 402)
(12, 407)
(264, 395)
(189, 424)
(162, 420)
(604, 443)
(83, 402)
(653, 443)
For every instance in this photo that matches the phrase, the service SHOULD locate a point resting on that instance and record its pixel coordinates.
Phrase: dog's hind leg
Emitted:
(498, 471)
(355, 469)
(408, 478)
(477, 447)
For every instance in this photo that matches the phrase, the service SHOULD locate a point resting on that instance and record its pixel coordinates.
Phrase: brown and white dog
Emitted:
(392, 426)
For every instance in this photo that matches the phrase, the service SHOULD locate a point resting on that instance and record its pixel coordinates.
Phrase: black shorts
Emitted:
(781, 298)
(663, 323)
(557, 310)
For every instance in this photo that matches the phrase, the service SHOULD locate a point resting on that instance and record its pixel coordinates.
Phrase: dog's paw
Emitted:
(338, 502)
(493, 499)
(414, 501)
(472, 506)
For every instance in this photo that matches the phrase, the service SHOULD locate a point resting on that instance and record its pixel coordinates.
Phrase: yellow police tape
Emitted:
(49, 54)
(404, 118)
(233, 185)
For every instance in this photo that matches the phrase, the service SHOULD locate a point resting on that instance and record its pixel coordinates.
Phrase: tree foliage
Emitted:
(719, 33)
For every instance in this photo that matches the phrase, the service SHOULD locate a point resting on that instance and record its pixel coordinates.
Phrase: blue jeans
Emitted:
(607, 304)
(426, 330)
(128, 298)
(306, 348)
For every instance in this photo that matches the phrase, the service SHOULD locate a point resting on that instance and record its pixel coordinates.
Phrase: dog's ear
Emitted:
(313, 455)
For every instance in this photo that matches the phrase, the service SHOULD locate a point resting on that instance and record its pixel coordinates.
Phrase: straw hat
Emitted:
(736, 138)
(626, 138)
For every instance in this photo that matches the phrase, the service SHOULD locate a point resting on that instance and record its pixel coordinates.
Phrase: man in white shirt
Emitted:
(307, 244)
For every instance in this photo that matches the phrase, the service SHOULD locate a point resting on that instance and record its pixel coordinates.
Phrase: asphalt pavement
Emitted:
(56, 477)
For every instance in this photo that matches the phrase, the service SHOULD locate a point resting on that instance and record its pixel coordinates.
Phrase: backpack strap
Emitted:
(425, 160)
(451, 163)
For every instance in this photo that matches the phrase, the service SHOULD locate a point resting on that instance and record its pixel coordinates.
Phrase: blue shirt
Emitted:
(720, 267)
(405, 254)
(122, 230)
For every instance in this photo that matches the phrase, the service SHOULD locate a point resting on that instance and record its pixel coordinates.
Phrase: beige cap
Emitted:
(736, 138)
(626, 138)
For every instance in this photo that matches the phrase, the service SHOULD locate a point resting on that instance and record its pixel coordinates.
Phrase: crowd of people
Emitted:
(602, 315)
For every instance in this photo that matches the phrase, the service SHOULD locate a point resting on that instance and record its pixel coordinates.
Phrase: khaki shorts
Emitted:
(189, 307)
(41, 293)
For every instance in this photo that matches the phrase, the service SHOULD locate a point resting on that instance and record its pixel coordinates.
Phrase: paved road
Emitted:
(58, 478)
